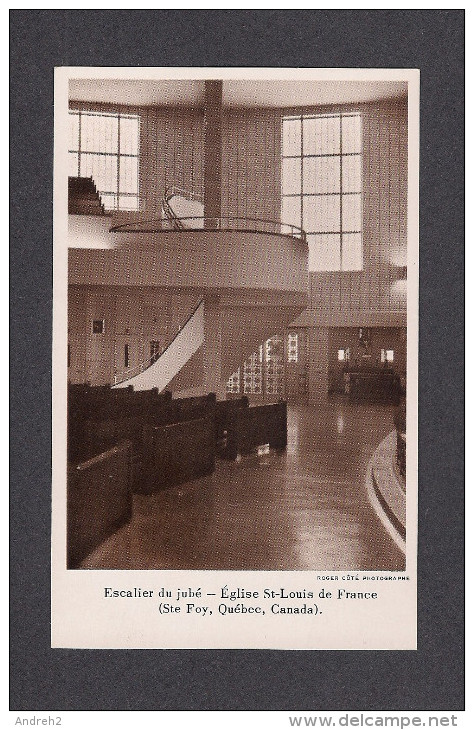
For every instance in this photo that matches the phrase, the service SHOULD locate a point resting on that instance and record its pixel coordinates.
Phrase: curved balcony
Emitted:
(226, 253)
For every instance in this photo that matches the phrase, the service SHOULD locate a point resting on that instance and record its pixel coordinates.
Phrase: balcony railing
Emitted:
(171, 219)
(201, 223)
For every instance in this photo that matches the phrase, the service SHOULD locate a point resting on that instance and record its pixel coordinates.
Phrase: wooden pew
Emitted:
(226, 426)
(99, 500)
(187, 409)
(176, 453)
(252, 427)
(99, 417)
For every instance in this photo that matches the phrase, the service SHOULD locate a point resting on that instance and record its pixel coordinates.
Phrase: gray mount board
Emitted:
(430, 678)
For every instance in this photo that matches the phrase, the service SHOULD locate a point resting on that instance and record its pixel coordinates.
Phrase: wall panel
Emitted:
(172, 153)
(252, 182)
(251, 167)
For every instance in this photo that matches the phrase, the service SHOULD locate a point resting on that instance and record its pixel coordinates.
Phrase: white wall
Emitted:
(204, 259)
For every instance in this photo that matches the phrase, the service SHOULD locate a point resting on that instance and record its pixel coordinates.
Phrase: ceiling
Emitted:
(236, 93)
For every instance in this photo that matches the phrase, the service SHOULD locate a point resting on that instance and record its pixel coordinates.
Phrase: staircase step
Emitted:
(83, 197)
(85, 210)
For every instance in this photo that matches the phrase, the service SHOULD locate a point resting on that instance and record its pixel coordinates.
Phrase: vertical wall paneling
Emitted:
(379, 193)
(387, 211)
(172, 151)
(213, 150)
(318, 364)
(372, 188)
(251, 163)
(372, 204)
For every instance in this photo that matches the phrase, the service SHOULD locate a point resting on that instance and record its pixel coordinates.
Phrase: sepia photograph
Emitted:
(237, 332)
(237, 324)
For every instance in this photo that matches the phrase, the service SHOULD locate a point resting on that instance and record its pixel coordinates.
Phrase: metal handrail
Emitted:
(172, 222)
(141, 367)
(224, 223)
(175, 190)
(171, 192)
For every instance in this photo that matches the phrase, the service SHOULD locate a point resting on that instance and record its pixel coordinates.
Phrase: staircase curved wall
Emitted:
(187, 341)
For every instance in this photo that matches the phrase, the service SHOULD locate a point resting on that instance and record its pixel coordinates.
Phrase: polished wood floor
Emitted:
(303, 509)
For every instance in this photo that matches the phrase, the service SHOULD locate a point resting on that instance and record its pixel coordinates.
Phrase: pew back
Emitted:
(176, 453)
(252, 427)
(99, 499)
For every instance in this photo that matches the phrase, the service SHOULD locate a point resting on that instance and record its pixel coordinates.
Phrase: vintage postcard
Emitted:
(235, 358)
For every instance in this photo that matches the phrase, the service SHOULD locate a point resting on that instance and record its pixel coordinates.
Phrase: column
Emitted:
(212, 149)
(212, 365)
(318, 364)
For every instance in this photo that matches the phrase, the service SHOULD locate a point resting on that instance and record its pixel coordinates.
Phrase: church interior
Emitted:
(237, 324)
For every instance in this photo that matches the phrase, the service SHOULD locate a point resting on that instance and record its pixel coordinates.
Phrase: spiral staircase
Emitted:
(248, 278)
